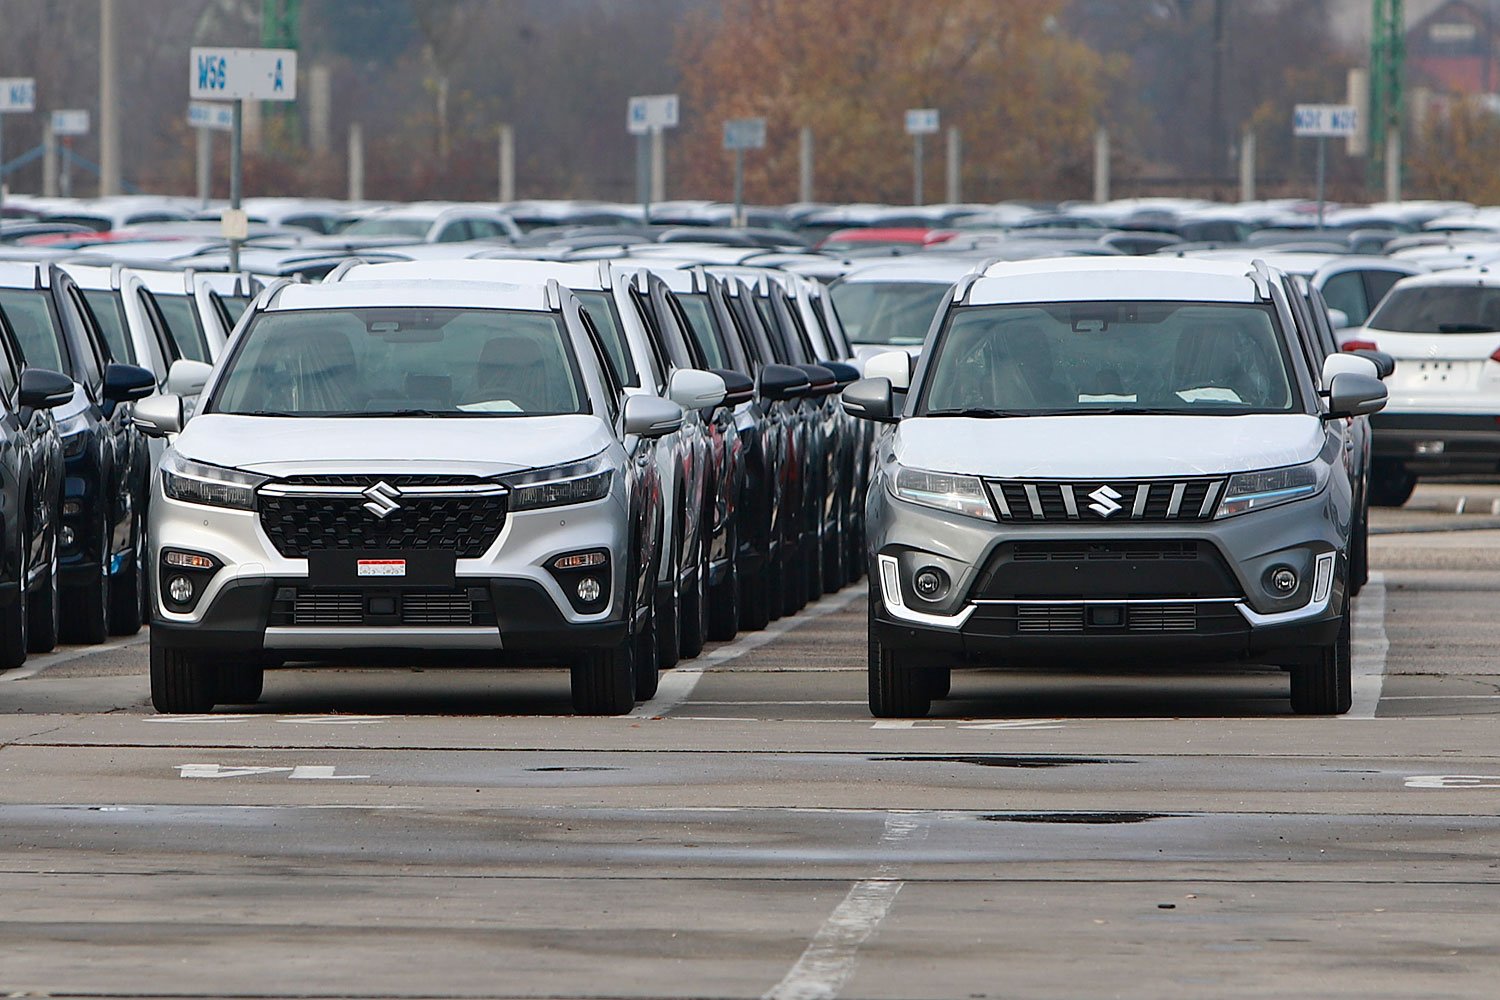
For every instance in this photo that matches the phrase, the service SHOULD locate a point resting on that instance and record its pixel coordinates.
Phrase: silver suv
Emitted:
(1117, 459)
(406, 465)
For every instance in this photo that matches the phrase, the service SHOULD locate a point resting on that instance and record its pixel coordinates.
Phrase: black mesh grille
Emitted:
(400, 482)
(300, 524)
(306, 607)
(1203, 619)
(1106, 569)
(1094, 500)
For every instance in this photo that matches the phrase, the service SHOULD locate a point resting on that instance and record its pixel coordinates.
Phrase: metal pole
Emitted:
(49, 161)
(67, 167)
(916, 170)
(109, 111)
(235, 167)
(3, 184)
(1101, 166)
(955, 166)
(205, 165)
(1247, 166)
(507, 163)
(1393, 164)
(356, 162)
(643, 174)
(1322, 157)
(739, 187)
(658, 165)
(805, 166)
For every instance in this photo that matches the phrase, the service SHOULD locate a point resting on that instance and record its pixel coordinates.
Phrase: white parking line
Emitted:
(36, 664)
(828, 961)
(677, 684)
(1370, 647)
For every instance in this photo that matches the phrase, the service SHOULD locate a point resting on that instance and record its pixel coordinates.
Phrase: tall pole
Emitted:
(3, 187)
(1216, 95)
(739, 186)
(643, 175)
(955, 166)
(356, 162)
(66, 158)
(205, 164)
(109, 111)
(1393, 164)
(805, 166)
(1322, 158)
(49, 161)
(658, 165)
(916, 169)
(235, 166)
(507, 163)
(1247, 166)
(1101, 166)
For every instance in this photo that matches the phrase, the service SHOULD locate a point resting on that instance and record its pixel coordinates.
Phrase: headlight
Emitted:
(1249, 491)
(557, 485)
(195, 482)
(959, 494)
(72, 432)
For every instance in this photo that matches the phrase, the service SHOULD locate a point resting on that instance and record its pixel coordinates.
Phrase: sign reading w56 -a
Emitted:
(243, 74)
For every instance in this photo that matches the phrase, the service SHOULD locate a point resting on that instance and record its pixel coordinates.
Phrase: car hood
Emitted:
(470, 446)
(1107, 447)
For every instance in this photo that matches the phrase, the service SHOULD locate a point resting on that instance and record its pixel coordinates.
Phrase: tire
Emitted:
(87, 622)
(668, 612)
(755, 600)
(896, 690)
(240, 683)
(695, 608)
(814, 561)
(793, 584)
(46, 606)
(182, 681)
(128, 588)
(646, 672)
(939, 682)
(1391, 484)
(835, 572)
(1326, 686)
(1359, 555)
(724, 598)
(604, 680)
(15, 622)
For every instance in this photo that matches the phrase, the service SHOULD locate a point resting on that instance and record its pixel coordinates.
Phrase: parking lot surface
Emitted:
(752, 831)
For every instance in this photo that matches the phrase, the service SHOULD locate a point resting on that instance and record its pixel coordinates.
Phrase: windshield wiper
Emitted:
(1466, 328)
(982, 412)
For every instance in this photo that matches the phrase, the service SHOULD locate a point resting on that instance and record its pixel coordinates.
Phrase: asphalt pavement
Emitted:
(427, 831)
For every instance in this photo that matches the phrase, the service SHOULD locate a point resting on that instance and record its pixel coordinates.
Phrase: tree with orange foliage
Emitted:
(1024, 95)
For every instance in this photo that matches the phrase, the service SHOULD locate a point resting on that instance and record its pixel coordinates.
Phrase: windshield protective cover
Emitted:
(402, 362)
(1083, 358)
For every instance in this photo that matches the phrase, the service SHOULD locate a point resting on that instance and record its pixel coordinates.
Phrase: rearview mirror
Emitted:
(738, 387)
(651, 416)
(42, 389)
(779, 382)
(1338, 319)
(1385, 365)
(692, 389)
(843, 373)
(870, 399)
(187, 378)
(125, 383)
(1353, 395)
(158, 416)
(1338, 364)
(821, 381)
(894, 366)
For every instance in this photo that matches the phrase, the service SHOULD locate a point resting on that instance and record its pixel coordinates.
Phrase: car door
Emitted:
(31, 455)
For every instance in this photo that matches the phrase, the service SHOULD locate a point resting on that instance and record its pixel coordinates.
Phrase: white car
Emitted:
(1444, 332)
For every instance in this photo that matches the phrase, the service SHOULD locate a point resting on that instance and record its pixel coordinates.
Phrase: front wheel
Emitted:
(647, 673)
(604, 680)
(183, 680)
(897, 691)
(724, 598)
(1391, 485)
(695, 606)
(126, 606)
(1326, 686)
(15, 628)
(1359, 554)
(45, 607)
(240, 683)
(87, 621)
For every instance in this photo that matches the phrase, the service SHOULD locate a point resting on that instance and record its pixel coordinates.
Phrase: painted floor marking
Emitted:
(1371, 644)
(301, 772)
(829, 959)
(36, 664)
(676, 685)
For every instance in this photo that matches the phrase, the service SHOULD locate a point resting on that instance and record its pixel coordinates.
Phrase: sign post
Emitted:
(919, 122)
(207, 118)
(741, 134)
(65, 125)
(645, 118)
(1324, 122)
(17, 95)
(239, 75)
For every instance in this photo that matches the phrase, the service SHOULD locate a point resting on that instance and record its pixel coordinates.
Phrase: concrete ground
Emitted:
(753, 832)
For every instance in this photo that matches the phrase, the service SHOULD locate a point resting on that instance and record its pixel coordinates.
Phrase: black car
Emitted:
(106, 460)
(31, 476)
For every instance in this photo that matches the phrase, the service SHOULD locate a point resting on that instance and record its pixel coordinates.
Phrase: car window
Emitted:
(35, 326)
(700, 325)
(653, 338)
(1378, 283)
(93, 356)
(896, 313)
(164, 342)
(10, 365)
(455, 232)
(600, 308)
(416, 361)
(1346, 293)
(183, 324)
(110, 312)
(611, 383)
(1439, 309)
(1105, 357)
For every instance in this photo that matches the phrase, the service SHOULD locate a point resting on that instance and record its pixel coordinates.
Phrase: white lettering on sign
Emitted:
(243, 74)
(650, 112)
(1454, 781)
(745, 133)
(73, 121)
(1329, 121)
(18, 93)
(922, 121)
(204, 114)
(305, 772)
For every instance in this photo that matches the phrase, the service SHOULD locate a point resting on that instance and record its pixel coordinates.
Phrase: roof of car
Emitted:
(570, 274)
(921, 268)
(1085, 279)
(22, 274)
(413, 292)
(1462, 277)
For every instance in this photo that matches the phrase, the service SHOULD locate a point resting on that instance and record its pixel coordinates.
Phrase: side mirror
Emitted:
(893, 366)
(844, 374)
(651, 416)
(779, 382)
(42, 389)
(821, 381)
(187, 378)
(870, 399)
(158, 416)
(1352, 395)
(124, 383)
(1338, 319)
(1337, 364)
(738, 387)
(692, 389)
(1385, 365)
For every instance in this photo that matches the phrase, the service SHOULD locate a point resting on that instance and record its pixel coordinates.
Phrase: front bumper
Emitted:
(1436, 443)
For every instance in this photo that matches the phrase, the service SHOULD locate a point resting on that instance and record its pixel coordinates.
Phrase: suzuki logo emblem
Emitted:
(1105, 501)
(382, 497)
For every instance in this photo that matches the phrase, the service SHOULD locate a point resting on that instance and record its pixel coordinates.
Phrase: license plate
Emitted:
(380, 567)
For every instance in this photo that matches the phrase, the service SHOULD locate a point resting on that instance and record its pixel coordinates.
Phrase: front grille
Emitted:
(1105, 570)
(1049, 618)
(306, 607)
(462, 515)
(1106, 500)
(1162, 618)
(1077, 618)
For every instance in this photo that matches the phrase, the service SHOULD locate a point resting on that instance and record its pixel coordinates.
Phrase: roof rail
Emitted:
(962, 285)
(554, 294)
(270, 292)
(342, 268)
(1261, 275)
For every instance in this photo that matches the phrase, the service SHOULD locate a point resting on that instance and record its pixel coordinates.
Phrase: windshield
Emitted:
(1439, 309)
(35, 325)
(1113, 357)
(181, 314)
(111, 316)
(415, 361)
(887, 312)
(416, 228)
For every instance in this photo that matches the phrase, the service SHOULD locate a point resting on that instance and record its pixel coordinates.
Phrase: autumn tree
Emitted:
(1024, 95)
(1455, 156)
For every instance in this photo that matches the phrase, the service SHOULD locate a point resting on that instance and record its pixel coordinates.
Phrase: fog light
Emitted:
(180, 589)
(188, 560)
(1283, 580)
(930, 583)
(68, 537)
(589, 590)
